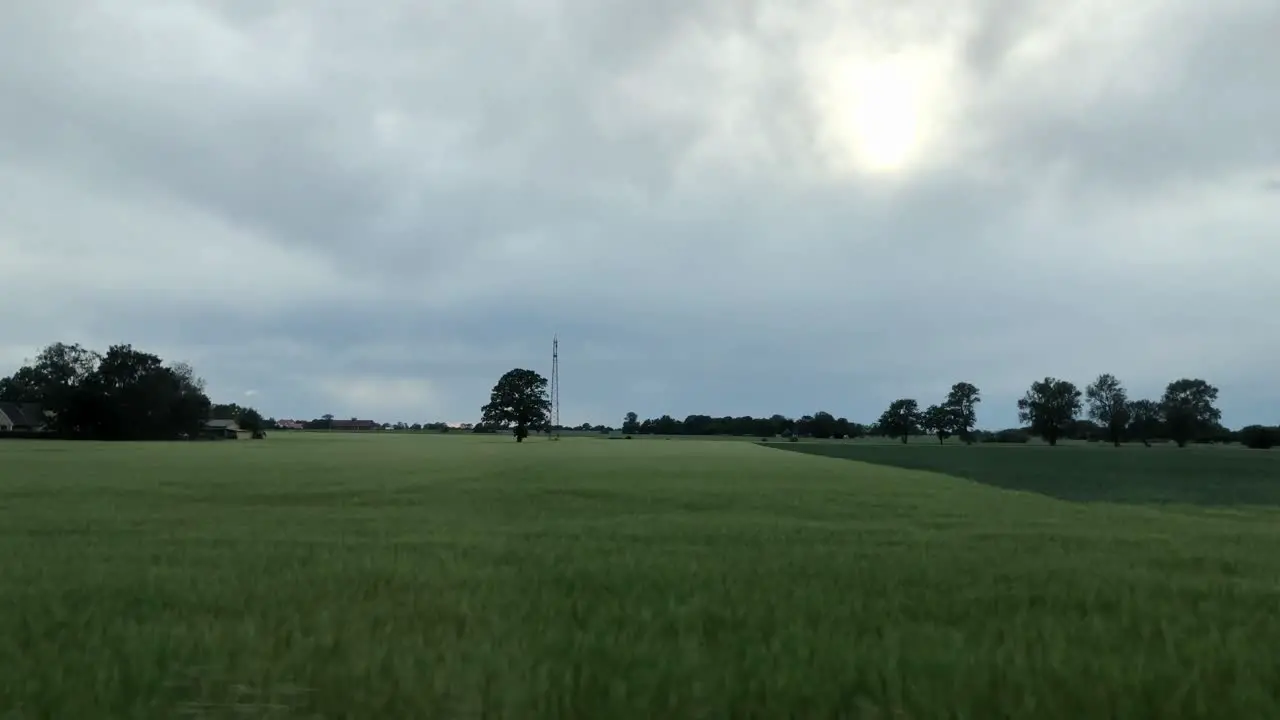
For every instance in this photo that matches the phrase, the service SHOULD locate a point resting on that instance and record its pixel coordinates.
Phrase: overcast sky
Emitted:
(375, 209)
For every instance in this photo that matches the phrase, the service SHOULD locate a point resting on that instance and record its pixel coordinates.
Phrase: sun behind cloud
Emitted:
(883, 114)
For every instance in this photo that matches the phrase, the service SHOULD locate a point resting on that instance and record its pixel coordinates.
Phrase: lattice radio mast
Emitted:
(555, 385)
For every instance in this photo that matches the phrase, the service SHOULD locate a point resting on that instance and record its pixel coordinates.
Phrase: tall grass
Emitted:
(411, 576)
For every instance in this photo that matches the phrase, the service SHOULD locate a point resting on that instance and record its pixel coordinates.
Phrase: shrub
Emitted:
(627, 437)
(793, 439)
(1258, 437)
(1010, 436)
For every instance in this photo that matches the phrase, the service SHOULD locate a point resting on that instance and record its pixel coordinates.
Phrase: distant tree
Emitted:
(939, 420)
(223, 411)
(22, 387)
(1260, 437)
(631, 423)
(1009, 436)
(823, 425)
(247, 418)
(697, 425)
(55, 379)
(133, 395)
(519, 401)
(1108, 405)
(124, 394)
(250, 419)
(962, 403)
(1144, 420)
(851, 429)
(1085, 429)
(843, 428)
(1218, 433)
(902, 419)
(1049, 407)
(780, 425)
(1188, 409)
(803, 426)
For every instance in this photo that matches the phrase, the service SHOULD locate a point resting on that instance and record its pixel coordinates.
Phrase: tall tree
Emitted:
(631, 423)
(1144, 420)
(24, 386)
(962, 403)
(133, 395)
(124, 394)
(53, 379)
(901, 419)
(1108, 405)
(940, 420)
(519, 401)
(1188, 409)
(1050, 407)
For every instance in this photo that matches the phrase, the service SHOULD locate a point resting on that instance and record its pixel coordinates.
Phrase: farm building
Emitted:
(221, 430)
(22, 417)
(354, 425)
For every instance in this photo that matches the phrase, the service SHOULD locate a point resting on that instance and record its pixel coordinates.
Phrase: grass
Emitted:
(1195, 475)
(453, 576)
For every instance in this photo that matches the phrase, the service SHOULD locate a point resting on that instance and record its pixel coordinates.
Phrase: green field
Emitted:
(1194, 475)
(415, 576)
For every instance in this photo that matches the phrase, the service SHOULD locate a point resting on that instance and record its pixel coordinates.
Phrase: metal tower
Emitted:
(555, 384)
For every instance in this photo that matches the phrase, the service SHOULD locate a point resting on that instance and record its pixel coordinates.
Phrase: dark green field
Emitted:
(1195, 475)
(403, 576)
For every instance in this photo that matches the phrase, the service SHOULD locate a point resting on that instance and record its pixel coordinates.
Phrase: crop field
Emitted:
(1194, 475)
(419, 576)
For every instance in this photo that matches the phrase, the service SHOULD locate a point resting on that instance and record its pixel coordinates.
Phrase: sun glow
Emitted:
(876, 115)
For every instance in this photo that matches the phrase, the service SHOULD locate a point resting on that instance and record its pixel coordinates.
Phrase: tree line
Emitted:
(821, 424)
(329, 422)
(121, 394)
(1052, 409)
(128, 394)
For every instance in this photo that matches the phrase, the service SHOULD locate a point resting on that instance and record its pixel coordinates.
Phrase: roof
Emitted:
(221, 425)
(29, 414)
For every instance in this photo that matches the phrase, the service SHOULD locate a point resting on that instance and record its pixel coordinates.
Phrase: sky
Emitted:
(766, 206)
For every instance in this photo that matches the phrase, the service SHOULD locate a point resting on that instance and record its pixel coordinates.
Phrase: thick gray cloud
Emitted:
(750, 207)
